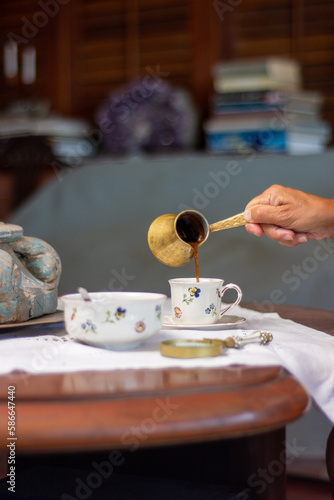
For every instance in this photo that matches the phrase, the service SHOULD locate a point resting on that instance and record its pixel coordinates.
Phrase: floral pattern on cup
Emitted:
(211, 310)
(140, 326)
(89, 326)
(118, 314)
(158, 311)
(193, 293)
(177, 312)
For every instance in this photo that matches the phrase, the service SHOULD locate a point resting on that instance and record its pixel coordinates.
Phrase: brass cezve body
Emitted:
(166, 244)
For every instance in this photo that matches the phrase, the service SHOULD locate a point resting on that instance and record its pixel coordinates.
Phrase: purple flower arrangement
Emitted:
(148, 114)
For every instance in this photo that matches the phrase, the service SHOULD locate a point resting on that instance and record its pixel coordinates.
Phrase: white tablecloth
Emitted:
(307, 353)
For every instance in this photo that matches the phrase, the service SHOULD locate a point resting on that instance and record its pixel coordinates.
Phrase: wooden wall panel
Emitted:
(24, 23)
(318, 51)
(302, 29)
(119, 41)
(92, 47)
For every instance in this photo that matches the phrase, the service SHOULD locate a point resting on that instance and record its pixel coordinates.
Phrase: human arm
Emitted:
(290, 216)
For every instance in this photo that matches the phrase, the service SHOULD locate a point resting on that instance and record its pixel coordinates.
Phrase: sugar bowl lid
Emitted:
(10, 232)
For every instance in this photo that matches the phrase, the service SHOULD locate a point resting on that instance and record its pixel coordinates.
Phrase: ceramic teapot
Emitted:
(29, 271)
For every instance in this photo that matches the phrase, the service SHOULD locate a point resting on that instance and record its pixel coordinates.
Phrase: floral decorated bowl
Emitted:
(113, 320)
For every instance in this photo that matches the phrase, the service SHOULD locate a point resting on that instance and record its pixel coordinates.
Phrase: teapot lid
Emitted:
(10, 232)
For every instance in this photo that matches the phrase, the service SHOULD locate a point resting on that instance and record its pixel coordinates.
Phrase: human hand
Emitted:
(289, 216)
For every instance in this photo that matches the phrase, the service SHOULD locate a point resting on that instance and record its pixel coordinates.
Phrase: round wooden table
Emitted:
(167, 409)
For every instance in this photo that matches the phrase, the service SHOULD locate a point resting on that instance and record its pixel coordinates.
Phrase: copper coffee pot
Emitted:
(169, 235)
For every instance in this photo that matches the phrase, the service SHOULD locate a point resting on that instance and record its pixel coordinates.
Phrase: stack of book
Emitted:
(260, 105)
(69, 139)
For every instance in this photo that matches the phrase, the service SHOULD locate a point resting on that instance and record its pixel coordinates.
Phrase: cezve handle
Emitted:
(235, 221)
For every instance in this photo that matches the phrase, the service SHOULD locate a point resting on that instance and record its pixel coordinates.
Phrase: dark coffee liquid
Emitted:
(195, 248)
(191, 230)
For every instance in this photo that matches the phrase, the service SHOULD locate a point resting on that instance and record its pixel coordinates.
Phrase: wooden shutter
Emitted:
(302, 29)
(92, 47)
(121, 40)
(24, 22)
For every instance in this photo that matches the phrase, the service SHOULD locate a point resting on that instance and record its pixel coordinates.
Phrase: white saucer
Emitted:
(227, 321)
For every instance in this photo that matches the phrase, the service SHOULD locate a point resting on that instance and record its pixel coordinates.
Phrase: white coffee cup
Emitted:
(113, 320)
(200, 303)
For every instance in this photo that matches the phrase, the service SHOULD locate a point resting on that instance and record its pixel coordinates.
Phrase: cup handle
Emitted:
(239, 297)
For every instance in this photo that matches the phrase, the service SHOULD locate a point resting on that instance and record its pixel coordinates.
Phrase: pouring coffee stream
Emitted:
(174, 239)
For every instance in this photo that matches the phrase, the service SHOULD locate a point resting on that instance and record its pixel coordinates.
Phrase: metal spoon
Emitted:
(257, 337)
(84, 294)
